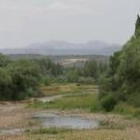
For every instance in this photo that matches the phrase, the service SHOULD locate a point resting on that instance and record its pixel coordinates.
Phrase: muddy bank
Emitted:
(15, 118)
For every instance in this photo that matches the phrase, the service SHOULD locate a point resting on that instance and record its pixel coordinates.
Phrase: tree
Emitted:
(5, 85)
(72, 75)
(137, 27)
(91, 69)
(4, 60)
(123, 78)
(49, 68)
(18, 78)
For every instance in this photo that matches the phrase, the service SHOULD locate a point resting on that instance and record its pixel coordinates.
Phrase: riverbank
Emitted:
(18, 116)
(114, 127)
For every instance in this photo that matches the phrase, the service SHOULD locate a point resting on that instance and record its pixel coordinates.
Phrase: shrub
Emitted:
(137, 114)
(108, 103)
(86, 80)
(46, 82)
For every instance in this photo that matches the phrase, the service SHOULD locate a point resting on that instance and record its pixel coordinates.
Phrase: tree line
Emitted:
(21, 79)
(121, 83)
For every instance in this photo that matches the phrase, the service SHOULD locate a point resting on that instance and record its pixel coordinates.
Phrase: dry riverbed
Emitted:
(112, 127)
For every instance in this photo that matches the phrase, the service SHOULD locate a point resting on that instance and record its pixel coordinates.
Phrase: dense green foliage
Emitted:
(90, 73)
(49, 68)
(17, 79)
(137, 29)
(123, 79)
(20, 79)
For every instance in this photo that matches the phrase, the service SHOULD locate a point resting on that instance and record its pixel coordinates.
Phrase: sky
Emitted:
(23, 22)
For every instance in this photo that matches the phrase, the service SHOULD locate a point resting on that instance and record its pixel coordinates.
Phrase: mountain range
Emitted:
(66, 48)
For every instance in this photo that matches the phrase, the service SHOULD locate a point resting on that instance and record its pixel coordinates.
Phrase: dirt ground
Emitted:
(16, 115)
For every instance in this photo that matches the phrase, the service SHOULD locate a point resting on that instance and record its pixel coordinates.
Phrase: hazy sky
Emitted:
(28, 21)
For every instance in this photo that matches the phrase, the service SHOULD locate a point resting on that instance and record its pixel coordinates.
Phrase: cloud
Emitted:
(80, 20)
(51, 6)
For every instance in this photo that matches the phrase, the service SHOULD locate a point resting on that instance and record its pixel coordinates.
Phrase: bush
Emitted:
(52, 130)
(18, 80)
(46, 82)
(78, 84)
(108, 103)
(134, 99)
(86, 80)
(137, 114)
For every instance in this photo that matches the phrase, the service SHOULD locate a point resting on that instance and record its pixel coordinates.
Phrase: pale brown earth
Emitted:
(11, 115)
(71, 61)
(16, 115)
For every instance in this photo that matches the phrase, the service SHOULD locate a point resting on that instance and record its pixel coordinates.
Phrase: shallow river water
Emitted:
(49, 120)
(53, 120)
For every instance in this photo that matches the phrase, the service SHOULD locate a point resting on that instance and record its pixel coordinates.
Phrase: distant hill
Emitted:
(66, 48)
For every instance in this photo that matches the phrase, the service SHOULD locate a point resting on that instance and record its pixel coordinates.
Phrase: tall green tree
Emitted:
(123, 78)
(17, 79)
(4, 60)
(137, 27)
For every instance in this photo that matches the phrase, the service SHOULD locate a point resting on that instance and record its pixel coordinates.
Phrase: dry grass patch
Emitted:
(57, 89)
(129, 134)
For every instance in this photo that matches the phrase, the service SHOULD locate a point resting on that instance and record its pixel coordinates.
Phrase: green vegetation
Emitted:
(121, 84)
(116, 105)
(90, 73)
(125, 109)
(118, 81)
(21, 79)
(75, 97)
(24, 78)
(81, 101)
(18, 80)
(108, 103)
(106, 124)
(137, 29)
(57, 89)
(49, 131)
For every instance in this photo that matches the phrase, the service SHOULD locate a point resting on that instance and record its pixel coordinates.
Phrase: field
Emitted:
(65, 60)
(77, 101)
(57, 89)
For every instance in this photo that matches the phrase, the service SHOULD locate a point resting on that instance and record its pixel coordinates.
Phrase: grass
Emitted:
(84, 97)
(126, 109)
(80, 97)
(57, 89)
(112, 128)
(107, 124)
(52, 130)
(85, 101)
(82, 135)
